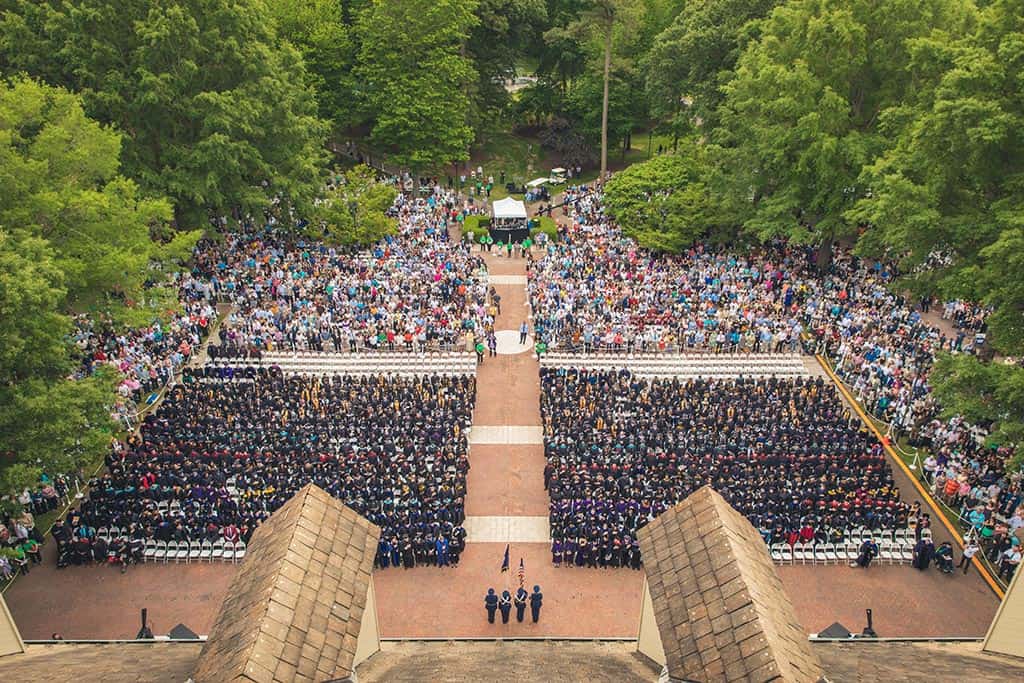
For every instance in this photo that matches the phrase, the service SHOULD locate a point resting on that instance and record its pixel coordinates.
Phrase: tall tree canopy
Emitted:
(353, 212)
(694, 57)
(801, 114)
(323, 32)
(953, 184)
(416, 77)
(74, 235)
(664, 203)
(215, 110)
(497, 42)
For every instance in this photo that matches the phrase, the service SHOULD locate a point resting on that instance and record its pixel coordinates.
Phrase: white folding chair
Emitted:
(831, 556)
(820, 557)
(161, 551)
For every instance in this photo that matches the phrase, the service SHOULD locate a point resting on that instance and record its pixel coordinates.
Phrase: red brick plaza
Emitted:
(505, 481)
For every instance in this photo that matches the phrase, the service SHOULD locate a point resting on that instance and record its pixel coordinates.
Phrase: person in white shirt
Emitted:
(970, 550)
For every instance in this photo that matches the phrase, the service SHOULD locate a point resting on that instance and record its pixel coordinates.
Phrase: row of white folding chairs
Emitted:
(193, 551)
(109, 534)
(349, 359)
(674, 364)
(675, 360)
(338, 369)
(891, 552)
(271, 356)
(639, 355)
(374, 371)
(687, 365)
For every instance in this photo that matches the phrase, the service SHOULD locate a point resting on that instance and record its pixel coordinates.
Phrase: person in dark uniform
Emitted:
(491, 605)
(505, 605)
(520, 600)
(535, 602)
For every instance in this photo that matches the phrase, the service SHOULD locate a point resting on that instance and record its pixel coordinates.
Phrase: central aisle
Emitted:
(506, 504)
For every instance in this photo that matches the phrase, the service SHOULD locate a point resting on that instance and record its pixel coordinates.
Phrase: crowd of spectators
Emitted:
(598, 290)
(20, 537)
(418, 289)
(229, 446)
(784, 452)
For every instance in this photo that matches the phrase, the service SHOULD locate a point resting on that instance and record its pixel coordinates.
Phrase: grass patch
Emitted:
(547, 226)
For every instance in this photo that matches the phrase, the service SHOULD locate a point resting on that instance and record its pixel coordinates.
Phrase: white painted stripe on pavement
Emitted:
(510, 434)
(486, 529)
(507, 280)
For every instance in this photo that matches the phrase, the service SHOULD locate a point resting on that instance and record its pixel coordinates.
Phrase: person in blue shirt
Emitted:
(536, 600)
(491, 605)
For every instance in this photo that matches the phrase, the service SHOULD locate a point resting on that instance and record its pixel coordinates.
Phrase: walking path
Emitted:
(507, 504)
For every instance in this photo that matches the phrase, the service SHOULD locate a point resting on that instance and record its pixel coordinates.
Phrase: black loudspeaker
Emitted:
(836, 630)
(182, 632)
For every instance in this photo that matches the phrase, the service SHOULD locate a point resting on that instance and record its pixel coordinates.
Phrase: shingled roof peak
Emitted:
(730, 620)
(281, 603)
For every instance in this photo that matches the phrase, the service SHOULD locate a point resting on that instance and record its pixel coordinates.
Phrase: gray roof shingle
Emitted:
(720, 607)
(293, 611)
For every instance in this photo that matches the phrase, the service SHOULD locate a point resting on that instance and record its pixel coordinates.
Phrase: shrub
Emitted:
(547, 226)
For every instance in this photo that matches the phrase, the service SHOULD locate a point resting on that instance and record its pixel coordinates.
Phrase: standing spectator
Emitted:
(1008, 562)
(970, 550)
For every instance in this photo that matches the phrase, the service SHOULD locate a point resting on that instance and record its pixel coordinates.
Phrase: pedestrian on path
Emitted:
(541, 348)
(524, 331)
(521, 597)
(491, 605)
(970, 550)
(479, 351)
(505, 605)
(492, 344)
(536, 599)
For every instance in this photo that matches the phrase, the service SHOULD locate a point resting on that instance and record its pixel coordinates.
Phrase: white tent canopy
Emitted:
(509, 208)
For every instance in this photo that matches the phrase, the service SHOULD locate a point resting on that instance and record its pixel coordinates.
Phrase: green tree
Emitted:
(354, 211)
(74, 235)
(416, 77)
(952, 182)
(215, 110)
(496, 44)
(801, 115)
(60, 174)
(695, 56)
(326, 40)
(984, 393)
(665, 203)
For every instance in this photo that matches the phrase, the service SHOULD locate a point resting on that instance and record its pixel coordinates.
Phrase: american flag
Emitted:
(522, 573)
